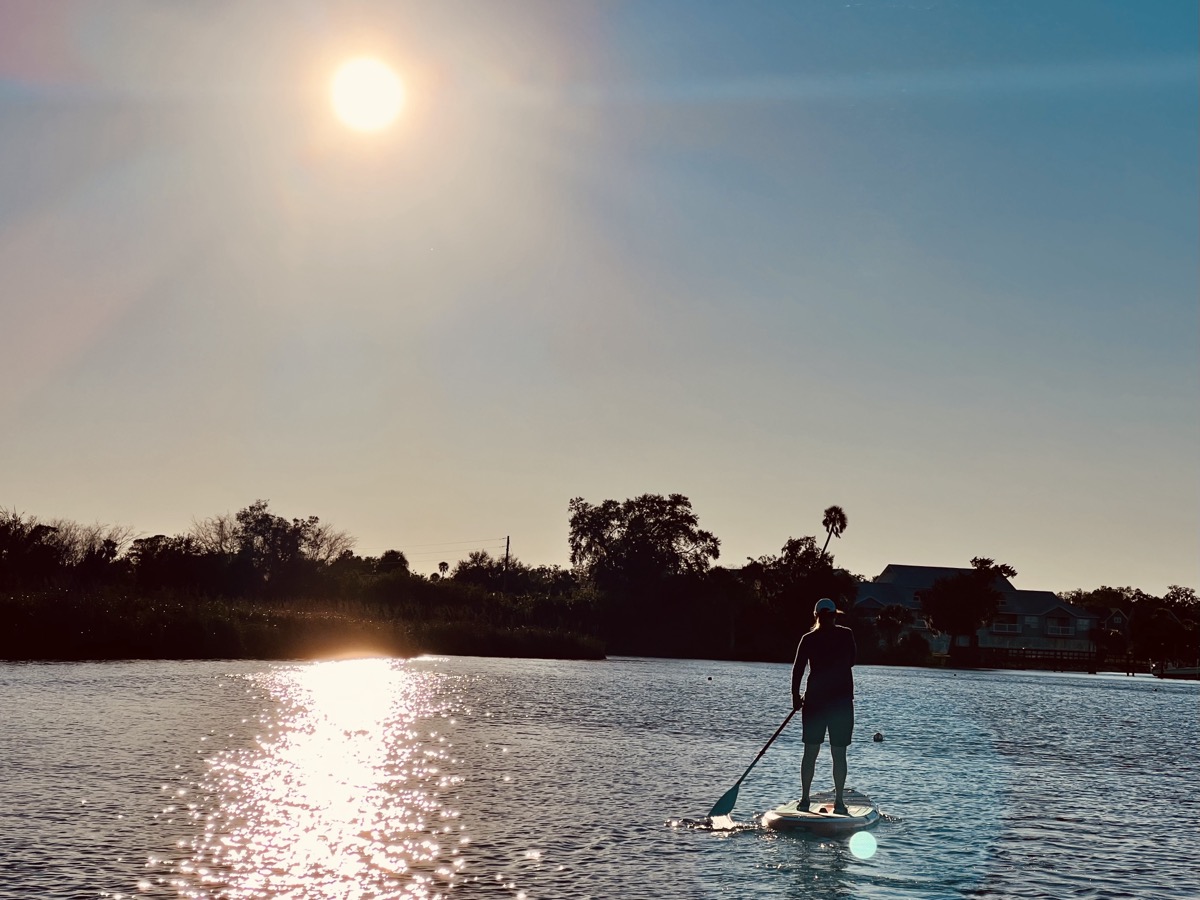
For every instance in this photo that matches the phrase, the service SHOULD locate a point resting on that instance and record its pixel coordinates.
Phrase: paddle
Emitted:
(724, 806)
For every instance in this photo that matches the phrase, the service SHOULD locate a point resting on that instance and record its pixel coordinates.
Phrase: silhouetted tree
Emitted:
(834, 522)
(991, 568)
(264, 552)
(1107, 643)
(638, 555)
(638, 541)
(349, 575)
(59, 552)
(891, 621)
(1183, 600)
(217, 535)
(481, 570)
(788, 585)
(178, 564)
(322, 543)
(273, 545)
(1159, 634)
(30, 554)
(552, 581)
(961, 604)
(393, 560)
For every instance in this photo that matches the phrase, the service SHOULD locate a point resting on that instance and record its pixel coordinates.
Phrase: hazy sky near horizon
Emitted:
(935, 262)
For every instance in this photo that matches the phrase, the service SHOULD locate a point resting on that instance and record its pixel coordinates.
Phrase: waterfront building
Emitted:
(1033, 623)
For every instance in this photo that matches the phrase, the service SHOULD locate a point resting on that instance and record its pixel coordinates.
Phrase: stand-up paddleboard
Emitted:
(820, 818)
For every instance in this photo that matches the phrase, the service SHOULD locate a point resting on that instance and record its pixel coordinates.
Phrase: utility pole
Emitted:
(504, 577)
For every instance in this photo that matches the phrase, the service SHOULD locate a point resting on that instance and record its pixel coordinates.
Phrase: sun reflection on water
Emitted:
(339, 798)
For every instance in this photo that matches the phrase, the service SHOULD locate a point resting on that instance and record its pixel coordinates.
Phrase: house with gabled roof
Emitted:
(1115, 619)
(1026, 620)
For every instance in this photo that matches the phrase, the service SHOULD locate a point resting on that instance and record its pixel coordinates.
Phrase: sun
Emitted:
(367, 95)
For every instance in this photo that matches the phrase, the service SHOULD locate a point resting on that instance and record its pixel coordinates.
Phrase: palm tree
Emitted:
(834, 524)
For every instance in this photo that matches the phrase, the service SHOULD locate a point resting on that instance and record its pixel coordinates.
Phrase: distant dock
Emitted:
(1188, 672)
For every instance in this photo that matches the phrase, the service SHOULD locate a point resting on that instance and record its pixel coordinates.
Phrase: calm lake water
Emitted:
(471, 777)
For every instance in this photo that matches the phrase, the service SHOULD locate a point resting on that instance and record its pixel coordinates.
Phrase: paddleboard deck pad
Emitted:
(820, 818)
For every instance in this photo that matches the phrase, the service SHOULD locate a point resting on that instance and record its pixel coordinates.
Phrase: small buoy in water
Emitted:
(710, 678)
(878, 738)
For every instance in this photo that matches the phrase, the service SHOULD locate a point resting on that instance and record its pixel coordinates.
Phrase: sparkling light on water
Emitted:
(863, 845)
(722, 823)
(342, 793)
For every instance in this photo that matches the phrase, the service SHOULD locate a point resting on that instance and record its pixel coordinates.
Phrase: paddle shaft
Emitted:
(778, 731)
(725, 805)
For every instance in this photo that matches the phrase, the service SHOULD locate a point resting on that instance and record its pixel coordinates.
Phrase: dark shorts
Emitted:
(836, 718)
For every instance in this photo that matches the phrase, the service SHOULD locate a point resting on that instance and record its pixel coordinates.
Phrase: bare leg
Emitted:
(839, 772)
(808, 765)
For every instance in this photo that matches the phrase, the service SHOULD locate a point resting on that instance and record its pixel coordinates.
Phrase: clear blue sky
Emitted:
(935, 262)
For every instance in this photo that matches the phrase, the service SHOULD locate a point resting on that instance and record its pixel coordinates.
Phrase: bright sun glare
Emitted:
(367, 95)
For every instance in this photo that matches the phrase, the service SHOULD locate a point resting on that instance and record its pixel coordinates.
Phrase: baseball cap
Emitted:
(825, 603)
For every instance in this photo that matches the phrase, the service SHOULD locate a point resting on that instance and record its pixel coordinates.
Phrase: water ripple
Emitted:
(538, 779)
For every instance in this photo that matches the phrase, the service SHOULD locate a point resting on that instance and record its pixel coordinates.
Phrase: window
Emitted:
(1059, 626)
(1006, 623)
(1031, 621)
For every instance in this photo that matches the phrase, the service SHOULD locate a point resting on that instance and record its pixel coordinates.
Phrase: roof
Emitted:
(917, 577)
(899, 585)
(1039, 603)
(886, 595)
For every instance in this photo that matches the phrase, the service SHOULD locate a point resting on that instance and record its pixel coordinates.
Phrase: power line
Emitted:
(491, 540)
(452, 551)
(496, 546)
(435, 554)
(494, 541)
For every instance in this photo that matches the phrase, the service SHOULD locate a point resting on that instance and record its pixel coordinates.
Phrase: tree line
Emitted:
(643, 580)
(1163, 629)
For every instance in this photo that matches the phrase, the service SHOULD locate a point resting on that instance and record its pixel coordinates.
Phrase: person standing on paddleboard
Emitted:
(827, 703)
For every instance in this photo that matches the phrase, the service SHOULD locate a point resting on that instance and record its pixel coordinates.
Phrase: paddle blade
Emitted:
(724, 806)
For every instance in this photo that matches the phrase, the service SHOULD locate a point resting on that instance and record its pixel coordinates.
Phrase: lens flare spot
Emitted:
(863, 845)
